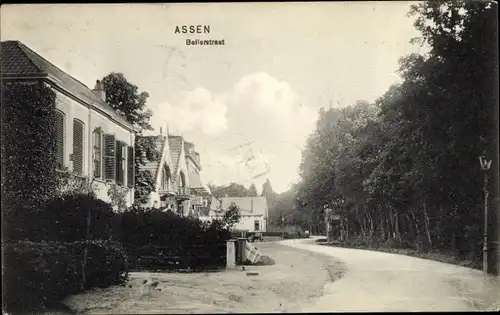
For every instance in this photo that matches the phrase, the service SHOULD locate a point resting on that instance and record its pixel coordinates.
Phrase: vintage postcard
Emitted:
(250, 157)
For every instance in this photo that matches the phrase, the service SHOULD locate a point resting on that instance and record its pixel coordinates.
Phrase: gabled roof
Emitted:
(18, 61)
(154, 166)
(175, 144)
(247, 205)
(197, 184)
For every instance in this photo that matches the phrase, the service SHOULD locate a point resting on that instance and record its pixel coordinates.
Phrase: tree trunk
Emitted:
(371, 230)
(342, 230)
(417, 227)
(398, 232)
(365, 229)
(382, 229)
(390, 223)
(427, 225)
(360, 222)
(388, 227)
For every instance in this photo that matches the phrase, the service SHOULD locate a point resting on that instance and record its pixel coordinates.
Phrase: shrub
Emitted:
(231, 216)
(107, 264)
(152, 226)
(294, 235)
(272, 233)
(166, 238)
(65, 219)
(36, 274)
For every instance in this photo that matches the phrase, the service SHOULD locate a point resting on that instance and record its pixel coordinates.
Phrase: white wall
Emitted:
(154, 200)
(74, 109)
(247, 223)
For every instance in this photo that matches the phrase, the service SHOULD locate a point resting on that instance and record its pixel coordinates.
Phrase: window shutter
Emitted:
(123, 166)
(77, 147)
(121, 153)
(109, 157)
(97, 154)
(59, 139)
(130, 167)
(118, 162)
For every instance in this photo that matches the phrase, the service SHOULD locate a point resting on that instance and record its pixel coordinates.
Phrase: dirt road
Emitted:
(377, 281)
(295, 281)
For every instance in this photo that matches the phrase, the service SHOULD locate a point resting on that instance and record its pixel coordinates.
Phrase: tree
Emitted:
(231, 216)
(268, 192)
(405, 169)
(252, 191)
(126, 99)
(231, 190)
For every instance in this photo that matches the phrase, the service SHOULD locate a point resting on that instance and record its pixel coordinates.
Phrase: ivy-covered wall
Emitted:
(28, 148)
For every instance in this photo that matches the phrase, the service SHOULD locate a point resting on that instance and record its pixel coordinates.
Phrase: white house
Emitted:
(93, 140)
(253, 210)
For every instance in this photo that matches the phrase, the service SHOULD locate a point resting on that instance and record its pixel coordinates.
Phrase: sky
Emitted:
(248, 105)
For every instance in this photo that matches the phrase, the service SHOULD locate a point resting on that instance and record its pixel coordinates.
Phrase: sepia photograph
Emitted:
(250, 157)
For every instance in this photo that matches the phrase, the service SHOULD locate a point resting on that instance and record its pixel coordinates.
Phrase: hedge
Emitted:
(37, 273)
(64, 219)
(152, 226)
(161, 240)
(236, 234)
(194, 257)
(295, 235)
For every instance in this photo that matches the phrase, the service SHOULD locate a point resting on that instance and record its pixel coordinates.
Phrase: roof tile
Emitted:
(18, 60)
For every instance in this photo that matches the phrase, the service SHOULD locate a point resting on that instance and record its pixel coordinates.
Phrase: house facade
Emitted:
(253, 210)
(178, 183)
(93, 140)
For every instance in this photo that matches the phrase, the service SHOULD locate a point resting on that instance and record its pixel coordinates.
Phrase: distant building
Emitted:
(253, 210)
(178, 184)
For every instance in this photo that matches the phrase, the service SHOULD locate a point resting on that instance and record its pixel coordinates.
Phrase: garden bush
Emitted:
(38, 273)
(63, 219)
(156, 239)
(272, 234)
(294, 235)
(152, 226)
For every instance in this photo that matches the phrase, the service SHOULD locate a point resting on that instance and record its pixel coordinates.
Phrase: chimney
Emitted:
(99, 90)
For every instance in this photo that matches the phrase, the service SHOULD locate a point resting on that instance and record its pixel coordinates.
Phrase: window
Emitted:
(121, 153)
(165, 177)
(109, 157)
(256, 225)
(97, 154)
(130, 167)
(78, 146)
(59, 139)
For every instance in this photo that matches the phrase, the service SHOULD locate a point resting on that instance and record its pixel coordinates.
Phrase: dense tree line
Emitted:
(233, 190)
(405, 169)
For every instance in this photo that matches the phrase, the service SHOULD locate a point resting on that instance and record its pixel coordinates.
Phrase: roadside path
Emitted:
(296, 279)
(376, 281)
